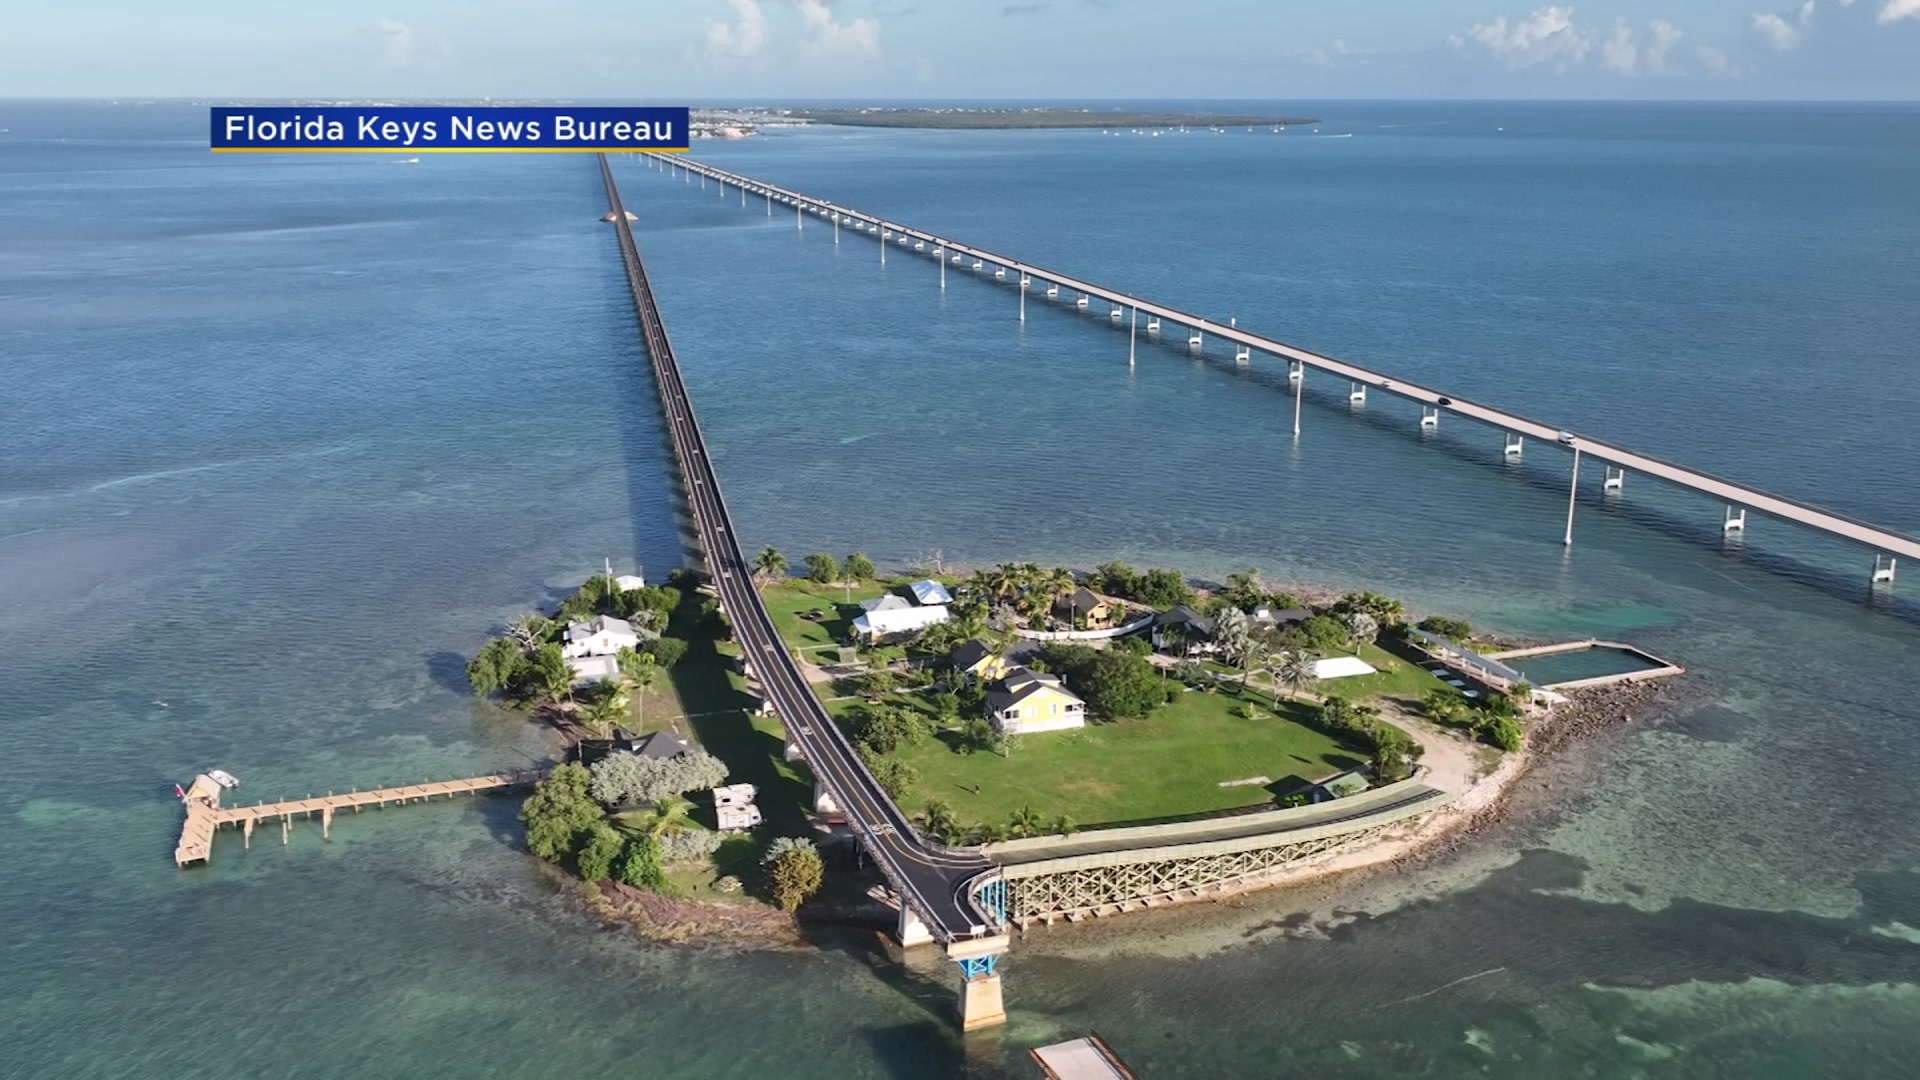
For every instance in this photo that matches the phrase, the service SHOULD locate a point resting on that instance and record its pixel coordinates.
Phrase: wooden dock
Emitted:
(205, 815)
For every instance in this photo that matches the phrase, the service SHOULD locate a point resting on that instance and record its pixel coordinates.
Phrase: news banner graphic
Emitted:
(447, 129)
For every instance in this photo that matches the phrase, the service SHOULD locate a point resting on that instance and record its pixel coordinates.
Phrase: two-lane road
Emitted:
(932, 881)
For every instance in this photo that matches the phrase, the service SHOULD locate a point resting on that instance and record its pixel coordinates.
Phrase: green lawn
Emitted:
(1136, 771)
(1397, 677)
(789, 601)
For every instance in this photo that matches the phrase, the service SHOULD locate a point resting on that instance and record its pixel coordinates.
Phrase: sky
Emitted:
(715, 50)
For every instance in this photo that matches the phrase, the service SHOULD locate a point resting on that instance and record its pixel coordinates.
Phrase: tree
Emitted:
(1323, 633)
(1385, 609)
(1065, 825)
(597, 855)
(1058, 583)
(1025, 822)
(770, 564)
(877, 684)
(896, 777)
(797, 874)
(1116, 579)
(1294, 670)
(666, 651)
(940, 822)
(671, 814)
(530, 631)
(620, 779)
(1244, 589)
(1451, 629)
(886, 728)
(859, 567)
(692, 842)
(559, 810)
(1391, 747)
(642, 864)
(497, 666)
(822, 568)
(1120, 684)
(602, 715)
(549, 673)
(978, 734)
(1233, 633)
(637, 675)
(1445, 705)
(1504, 732)
(1362, 628)
(1162, 589)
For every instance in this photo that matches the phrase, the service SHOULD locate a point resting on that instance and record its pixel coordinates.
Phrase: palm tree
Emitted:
(1292, 669)
(640, 678)
(600, 717)
(1362, 627)
(770, 564)
(941, 822)
(670, 814)
(1025, 822)
(1233, 632)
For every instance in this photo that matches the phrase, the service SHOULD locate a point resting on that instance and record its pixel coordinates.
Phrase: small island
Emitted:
(1027, 712)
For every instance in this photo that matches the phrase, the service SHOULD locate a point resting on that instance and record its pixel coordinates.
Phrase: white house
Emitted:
(886, 602)
(930, 592)
(602, 635)
(1027, 701)
(887, 621)
(588, 670)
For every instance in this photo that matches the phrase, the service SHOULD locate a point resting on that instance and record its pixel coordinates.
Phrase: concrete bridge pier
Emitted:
(1883, 568)
(1573, 489)
(823, 800)
(1357, 393)
(1430, 416)
(1735, 521)
(1133, 336)
(1297, 374)
(1514, 444)
(1153, 324)
(883, 247)
(911, 930)
(982, 1004)
(1296, 371)
(940, 256)
(1023, 303)
(836, 230)
(1616, 480)
(1053, 291)
(1082, 302)
(1196, 339)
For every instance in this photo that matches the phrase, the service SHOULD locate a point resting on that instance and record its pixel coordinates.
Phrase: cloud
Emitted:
(1783, 31)
(1895, 10)
(1714, 60)
(1547, 36)
(743, 39)
(398, 45)
(1550, 38)
(1022, 9)
(1664, 35)
(856, 37)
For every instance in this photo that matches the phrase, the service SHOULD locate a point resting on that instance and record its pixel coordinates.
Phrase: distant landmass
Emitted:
(1031, 118)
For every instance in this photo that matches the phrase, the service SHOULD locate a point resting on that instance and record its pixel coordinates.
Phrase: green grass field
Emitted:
(789, 601)
(1169, 765)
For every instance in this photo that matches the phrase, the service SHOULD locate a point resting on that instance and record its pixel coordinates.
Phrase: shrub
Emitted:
(859, 567)
(1451, 629)
(822, 568)
(1505, 733)
(597, 855)
(666, 651)
(642, 864)
(895, 776)
(684, 844)
(797, 874)
(497, 667)
(630, 778)
(1120, 684)
(886, 728)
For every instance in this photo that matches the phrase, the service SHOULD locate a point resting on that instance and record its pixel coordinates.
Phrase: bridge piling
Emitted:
(1514, 445)
(1573, 489)
(1735, 521)
(1883, 574)
(1298, 376)
(1615, 481)
(1430, 416)
(1133, 336)
(1356, 393)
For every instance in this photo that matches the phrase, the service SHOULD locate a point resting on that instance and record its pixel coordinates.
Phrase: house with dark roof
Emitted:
(978, 660)
(657, 744)
(1025, 701)
(1268, 615)
(1088, 607)
(1182, 629)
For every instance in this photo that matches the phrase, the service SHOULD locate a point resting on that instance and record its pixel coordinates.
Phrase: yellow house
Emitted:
(1027, 701)
(978, 660)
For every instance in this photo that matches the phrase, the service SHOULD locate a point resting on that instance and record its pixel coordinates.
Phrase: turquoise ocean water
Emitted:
(283, 438)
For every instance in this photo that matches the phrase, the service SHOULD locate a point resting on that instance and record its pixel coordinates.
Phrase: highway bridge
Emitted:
(1887, 545)
(957, 896)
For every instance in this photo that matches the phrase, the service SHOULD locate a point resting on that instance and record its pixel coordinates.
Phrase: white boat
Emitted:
(223, 778)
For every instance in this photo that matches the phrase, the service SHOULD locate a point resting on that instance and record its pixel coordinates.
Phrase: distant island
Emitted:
(1017, 118)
